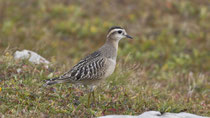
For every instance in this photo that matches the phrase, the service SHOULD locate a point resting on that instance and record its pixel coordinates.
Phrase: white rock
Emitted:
(31, 56)
(19, 70)
(156, 114)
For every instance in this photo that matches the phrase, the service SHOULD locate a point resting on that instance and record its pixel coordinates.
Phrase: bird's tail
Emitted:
(53, 81)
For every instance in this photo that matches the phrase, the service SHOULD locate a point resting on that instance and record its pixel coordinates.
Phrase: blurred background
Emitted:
(172, 34)
(171, 41)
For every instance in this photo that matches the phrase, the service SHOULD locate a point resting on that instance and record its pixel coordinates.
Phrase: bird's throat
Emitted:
(113, 42)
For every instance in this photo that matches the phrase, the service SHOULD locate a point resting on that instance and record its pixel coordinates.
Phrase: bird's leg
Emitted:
(93, 97)
(89, 95)
(70, 90)
(92, 91)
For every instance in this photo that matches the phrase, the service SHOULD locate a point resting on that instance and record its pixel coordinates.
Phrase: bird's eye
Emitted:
(119, 32)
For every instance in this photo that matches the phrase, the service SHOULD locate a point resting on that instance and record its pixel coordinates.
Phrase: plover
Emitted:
(97, 66)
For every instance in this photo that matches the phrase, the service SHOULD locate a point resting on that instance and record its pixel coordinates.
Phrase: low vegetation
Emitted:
(165, 68)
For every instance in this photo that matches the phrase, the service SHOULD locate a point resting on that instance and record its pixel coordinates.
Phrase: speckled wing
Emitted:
(89, 68)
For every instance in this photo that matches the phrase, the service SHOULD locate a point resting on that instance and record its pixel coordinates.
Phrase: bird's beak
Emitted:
(129, 37)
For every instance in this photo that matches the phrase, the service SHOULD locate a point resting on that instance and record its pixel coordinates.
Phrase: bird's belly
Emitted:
(110, 67)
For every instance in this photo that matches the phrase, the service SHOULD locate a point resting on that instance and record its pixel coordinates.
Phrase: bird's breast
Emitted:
(110, 67)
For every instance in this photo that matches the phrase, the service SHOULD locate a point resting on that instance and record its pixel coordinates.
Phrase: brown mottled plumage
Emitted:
(96, 66)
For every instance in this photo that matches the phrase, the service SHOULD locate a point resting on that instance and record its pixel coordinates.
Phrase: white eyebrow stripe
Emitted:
(114, 30)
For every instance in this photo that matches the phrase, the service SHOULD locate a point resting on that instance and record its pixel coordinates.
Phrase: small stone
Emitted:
(156, 114)
(31, 56)
(19, 70)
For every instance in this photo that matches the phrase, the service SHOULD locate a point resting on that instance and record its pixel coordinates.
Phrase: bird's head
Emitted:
(116, 33)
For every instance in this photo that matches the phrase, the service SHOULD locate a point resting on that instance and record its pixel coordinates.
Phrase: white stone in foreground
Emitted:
(156, 114)
(31, 56)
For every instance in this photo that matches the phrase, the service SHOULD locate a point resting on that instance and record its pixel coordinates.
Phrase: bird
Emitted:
(95, 67)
